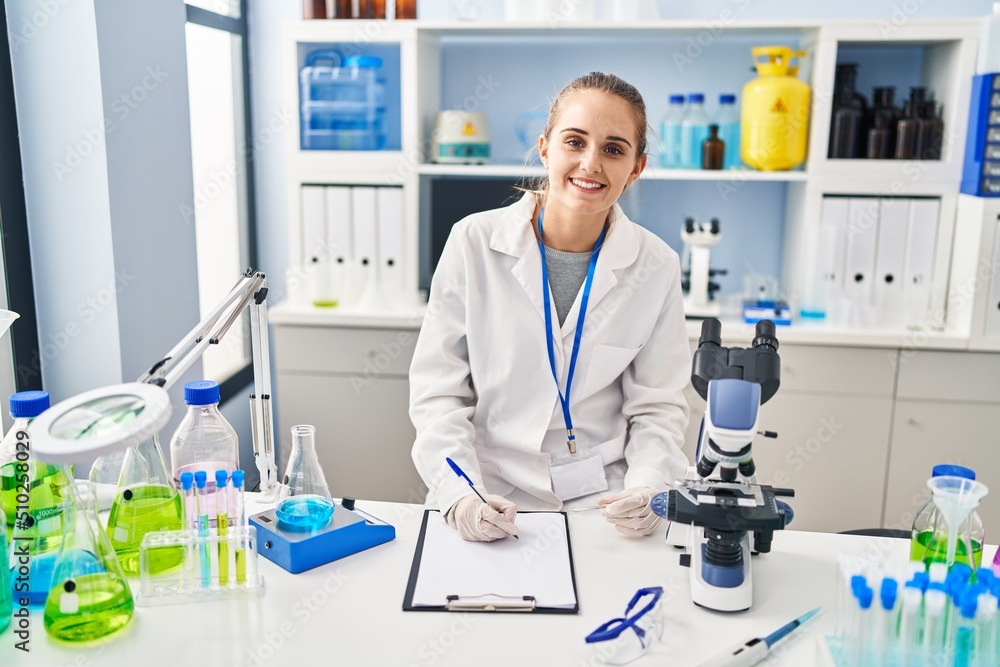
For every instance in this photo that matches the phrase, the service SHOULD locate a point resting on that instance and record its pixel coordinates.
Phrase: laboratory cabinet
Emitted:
(947, 411)
(352, 385)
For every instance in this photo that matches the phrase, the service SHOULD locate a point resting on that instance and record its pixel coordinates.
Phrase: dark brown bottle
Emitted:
(314, 9)
(878, 140)
(712, 149)
(406, 9)
(884, 108)
(339, 9)
(848, 133)
(906, 134)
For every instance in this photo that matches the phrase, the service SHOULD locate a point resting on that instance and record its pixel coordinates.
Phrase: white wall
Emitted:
(101, 94)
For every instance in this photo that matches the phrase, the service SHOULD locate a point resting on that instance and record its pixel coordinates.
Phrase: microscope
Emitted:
(696, 280)
(731, 517)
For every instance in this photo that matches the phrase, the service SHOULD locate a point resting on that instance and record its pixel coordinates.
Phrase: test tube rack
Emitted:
(183, 582)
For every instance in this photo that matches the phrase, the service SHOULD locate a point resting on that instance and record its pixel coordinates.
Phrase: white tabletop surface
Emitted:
(349, 612)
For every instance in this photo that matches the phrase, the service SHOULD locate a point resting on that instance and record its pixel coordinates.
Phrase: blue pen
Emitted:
(461, 473)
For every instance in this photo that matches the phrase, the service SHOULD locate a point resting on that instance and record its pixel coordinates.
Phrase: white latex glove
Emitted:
(476, 521)
(629, 511)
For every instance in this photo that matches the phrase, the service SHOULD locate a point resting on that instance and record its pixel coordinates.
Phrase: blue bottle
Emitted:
(729, 130)
(670, 133)
(694, 131)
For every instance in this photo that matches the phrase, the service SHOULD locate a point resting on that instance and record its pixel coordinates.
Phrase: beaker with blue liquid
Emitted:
(307, 504)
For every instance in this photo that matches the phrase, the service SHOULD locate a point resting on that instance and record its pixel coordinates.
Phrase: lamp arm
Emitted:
(250, 290)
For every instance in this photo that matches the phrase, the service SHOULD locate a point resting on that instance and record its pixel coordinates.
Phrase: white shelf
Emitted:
(733, 331)
(650, 174)
(306, 315)
(738, 332)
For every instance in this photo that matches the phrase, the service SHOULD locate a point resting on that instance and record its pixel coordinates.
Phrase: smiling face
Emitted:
(591, 153)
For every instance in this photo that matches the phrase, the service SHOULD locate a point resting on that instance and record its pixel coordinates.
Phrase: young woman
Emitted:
(553, 356)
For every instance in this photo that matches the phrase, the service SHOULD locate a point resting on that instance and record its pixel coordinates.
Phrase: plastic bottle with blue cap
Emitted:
(204, 440)
(670, 133)
(728, 120)
(929, 543)
(694, 131)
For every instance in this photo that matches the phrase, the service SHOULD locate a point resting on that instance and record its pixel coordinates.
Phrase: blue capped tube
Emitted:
(884, 636)
(201, 483)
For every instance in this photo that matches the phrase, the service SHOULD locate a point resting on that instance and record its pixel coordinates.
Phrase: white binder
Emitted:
(921, 244)
(338, 222)
(364, 207)
(314, 241)
(831, 238)
(889, 264)
(390, 244)
(859, 262)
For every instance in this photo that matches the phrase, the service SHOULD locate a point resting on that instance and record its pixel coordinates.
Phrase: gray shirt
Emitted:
(567, 271)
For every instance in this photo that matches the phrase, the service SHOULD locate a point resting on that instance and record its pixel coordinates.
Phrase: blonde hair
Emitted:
(605, 83)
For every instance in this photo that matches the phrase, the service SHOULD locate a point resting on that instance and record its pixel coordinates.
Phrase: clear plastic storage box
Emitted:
(343, 102)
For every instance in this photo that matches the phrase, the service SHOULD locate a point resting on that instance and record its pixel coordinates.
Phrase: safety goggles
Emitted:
(622, 640)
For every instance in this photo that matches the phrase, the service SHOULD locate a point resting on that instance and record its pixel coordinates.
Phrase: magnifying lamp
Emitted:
(110, 419)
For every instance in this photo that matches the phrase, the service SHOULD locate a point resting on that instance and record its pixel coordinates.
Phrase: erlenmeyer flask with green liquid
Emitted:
(145, 501)
(89, 598)
(39, 528)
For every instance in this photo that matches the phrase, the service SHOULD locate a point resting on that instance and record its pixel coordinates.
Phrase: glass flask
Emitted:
(6, 603)
(306, 503)
(145, 501)
(930, 530)
(32, 496)
(90, 598)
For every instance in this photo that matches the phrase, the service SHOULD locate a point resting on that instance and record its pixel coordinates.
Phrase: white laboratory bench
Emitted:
(349, 612)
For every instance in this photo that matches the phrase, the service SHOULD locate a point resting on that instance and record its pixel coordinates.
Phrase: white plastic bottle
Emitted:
(670, 133)
(204, 440)
(694, 131)
(729, 130)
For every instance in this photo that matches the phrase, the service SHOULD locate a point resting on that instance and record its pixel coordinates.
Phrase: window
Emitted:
(222, 166)
(20, 359)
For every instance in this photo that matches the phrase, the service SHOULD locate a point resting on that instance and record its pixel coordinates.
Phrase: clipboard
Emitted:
(538, 568)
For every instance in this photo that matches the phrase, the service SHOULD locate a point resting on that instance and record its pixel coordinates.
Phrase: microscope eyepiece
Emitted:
(765, 335)
(711, 332)
(689, 225)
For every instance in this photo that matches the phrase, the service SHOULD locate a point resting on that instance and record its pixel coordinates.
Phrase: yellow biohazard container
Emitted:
(774, 120)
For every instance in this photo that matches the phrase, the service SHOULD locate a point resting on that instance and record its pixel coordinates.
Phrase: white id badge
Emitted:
(580, 474)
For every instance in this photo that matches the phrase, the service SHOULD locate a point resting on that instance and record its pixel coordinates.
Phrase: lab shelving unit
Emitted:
(851, 407)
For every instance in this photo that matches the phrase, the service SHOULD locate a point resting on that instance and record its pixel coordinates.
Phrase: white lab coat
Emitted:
(481, 388)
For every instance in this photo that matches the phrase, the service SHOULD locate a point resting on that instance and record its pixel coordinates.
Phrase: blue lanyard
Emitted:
(564, 400)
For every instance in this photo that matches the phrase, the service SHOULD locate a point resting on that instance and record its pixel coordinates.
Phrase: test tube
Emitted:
(884, 646)
(222, 524)
(934, 624)
(863, 626)
(188, 513)
(909, 624)
(239, 514)
(201, 483)
(965, 634)
(986, 630)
